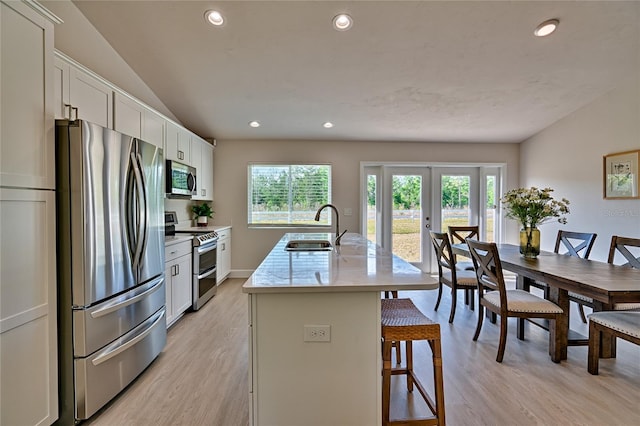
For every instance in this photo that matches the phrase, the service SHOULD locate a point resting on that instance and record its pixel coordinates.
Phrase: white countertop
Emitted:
(176, 239)
(356, 265)
(170, 240)
(208, 228)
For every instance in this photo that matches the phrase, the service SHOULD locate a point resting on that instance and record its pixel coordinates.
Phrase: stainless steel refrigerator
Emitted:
(111, 290)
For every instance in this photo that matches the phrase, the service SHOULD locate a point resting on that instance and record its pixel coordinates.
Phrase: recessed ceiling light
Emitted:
(342, 22)
(546, 28)
(214, 17)
(327, 125)
(254, 123)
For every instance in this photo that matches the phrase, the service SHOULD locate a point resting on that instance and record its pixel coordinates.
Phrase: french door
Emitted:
(396, 216)
(401, 204)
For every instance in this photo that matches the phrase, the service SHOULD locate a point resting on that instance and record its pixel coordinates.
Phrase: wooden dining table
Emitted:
(605, 283)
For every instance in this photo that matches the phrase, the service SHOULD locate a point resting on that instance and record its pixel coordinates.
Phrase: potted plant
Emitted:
(533, 207)
(202, 213)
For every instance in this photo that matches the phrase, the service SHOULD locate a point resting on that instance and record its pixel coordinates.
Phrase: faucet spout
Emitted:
(335, 210)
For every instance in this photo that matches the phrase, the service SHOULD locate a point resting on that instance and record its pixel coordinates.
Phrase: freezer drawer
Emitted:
(99, 325)
(103, 375)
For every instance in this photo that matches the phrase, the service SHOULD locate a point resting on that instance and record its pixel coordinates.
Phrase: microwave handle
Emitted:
(191, 182)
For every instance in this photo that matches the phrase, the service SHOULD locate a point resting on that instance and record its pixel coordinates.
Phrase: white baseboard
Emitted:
(240, 273)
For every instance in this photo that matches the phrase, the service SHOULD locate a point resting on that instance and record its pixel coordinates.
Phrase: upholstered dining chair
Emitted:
(458, 235)
(577, 244)
(629, 250)
(494, 296)
(448, 274)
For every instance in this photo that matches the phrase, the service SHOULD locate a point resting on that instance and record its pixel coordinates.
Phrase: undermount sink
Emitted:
(308, 245)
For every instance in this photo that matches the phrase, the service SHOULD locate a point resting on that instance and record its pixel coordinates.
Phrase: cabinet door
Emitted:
(224, 257)
(202, 160)
(182, 288)
(128, 116)
(168, 285)
(28, 326)
(153, 128)
(92, 98)
(26, 115)
(178, 144)
(61, 71)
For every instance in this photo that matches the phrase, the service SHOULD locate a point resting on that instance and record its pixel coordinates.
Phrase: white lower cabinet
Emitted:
(178, 278)
(223, 259)
(28, 327)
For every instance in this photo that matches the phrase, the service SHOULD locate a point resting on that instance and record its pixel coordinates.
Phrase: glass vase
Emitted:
(530, 242)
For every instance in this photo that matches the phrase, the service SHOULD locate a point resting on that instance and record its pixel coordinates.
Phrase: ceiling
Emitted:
(450, 71)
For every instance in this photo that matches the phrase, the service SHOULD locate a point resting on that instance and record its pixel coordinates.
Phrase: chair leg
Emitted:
(582, 315)
(439, 296)
(409, 356)
(386, 380)
(472, 297)
(438, 380)
(593, 356)
(454, 301)
(398, 356)
(466, 296)
(479, 324)
(503, 337)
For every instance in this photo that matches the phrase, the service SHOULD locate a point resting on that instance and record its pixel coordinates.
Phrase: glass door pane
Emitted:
(372, 190)
(455, 206)
(406, 240)
(491, 204)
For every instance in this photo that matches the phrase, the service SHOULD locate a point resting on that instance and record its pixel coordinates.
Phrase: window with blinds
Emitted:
(288, 194)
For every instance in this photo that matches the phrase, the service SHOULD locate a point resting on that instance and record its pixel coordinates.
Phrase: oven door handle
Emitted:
(208, 273)
(207, 247)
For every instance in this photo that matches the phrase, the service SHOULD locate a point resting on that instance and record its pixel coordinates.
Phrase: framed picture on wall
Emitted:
(621, 175)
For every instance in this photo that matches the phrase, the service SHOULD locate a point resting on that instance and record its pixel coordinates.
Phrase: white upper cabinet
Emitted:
(202, 160)
(129, 115)
(78, 94)
(153, 128)
(178, 144)
(135, 119)
(26, 85)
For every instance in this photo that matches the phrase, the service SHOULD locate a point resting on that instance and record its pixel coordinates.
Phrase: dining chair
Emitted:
(577, 244)
(494, 296)
(448, 274)
(629, 250)
(458, 235)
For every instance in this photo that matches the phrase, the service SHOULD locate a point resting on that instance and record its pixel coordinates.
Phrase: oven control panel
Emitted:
(205, 238)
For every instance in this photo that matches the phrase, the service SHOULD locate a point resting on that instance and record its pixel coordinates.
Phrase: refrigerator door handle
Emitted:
(115, 305)
(145, 205)
(139, 228)
(111, 352)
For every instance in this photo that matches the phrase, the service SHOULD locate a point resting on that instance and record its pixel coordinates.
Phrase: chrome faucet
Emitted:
(338, 234)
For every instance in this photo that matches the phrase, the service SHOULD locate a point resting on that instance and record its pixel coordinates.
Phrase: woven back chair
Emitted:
(448, 274)
(494, 296)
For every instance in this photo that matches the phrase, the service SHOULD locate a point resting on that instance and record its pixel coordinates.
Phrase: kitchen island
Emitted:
(314, 331)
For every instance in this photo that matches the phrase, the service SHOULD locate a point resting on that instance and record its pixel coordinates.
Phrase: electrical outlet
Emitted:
(317, 333)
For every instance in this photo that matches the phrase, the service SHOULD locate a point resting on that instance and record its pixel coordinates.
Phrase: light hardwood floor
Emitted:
(201, 376)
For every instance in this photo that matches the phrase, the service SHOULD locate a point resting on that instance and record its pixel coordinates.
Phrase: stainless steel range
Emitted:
(205, 246)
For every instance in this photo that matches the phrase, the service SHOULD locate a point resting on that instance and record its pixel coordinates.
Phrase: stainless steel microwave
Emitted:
(181, 179)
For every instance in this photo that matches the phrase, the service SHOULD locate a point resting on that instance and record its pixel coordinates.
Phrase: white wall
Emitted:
(232, 157)
(568, 157)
